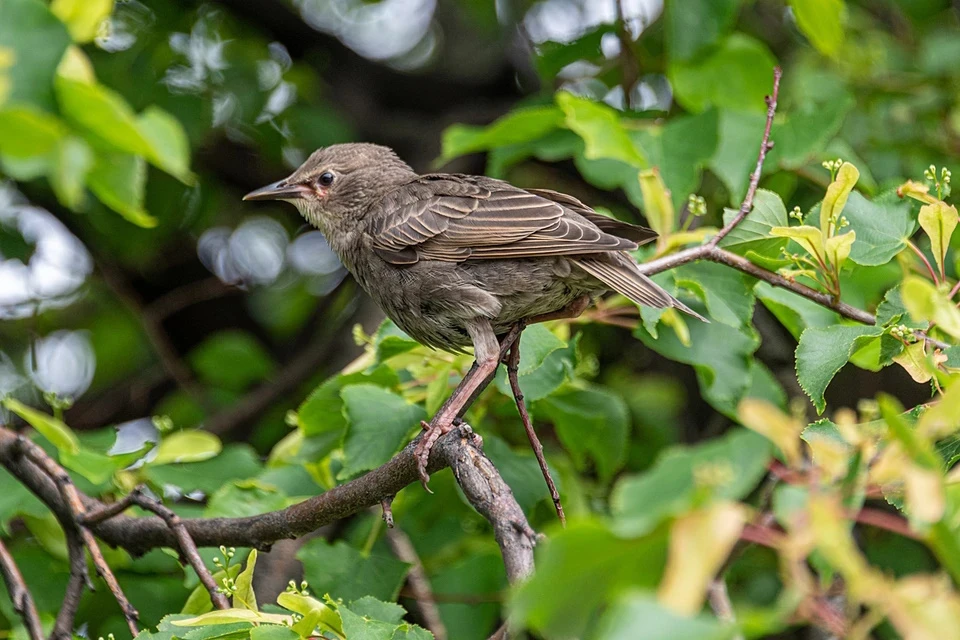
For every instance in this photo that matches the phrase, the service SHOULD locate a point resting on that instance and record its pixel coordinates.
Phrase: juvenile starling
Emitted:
(457, 260)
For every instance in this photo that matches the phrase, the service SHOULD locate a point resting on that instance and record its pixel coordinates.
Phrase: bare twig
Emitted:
(188, 295)
(720, 603)
(629, 66)
(76, 510)
(387, 511)
(66, 617)
(765, 146)
(513, 363)
(19, 594)
(185, 544)
(419, 583)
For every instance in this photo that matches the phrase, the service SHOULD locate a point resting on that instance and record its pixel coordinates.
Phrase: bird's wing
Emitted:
(455, 218)
(640, 235)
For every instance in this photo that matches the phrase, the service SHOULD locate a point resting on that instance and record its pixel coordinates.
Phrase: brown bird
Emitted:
(458, 260)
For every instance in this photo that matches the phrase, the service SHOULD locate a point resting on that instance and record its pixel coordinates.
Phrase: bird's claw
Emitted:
(431, 433)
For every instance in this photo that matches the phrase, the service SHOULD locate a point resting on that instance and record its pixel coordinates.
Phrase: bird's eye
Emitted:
(325, 179)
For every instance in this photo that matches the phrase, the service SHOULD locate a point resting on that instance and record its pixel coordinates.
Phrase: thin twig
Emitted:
(720, 603)
(629, 66)
(188, 295)
(923, 258)
(513, 364)
(74, 504)
(187, 547)
(765, 146)
(419, 583)
(19, 594)
(79, 578)
(886, 521)
(387, 512)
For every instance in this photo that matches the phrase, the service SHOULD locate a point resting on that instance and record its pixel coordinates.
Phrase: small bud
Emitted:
(164, 424)
(797, 214)
(696, 205)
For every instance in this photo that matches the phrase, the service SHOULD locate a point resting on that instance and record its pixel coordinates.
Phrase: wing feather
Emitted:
(457, 218)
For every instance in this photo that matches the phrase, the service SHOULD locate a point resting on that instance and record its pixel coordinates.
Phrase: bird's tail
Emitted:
(624, 277)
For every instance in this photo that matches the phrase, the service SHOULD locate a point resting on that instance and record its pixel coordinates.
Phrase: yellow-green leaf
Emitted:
(823, 22)
(244, 596)
(657, 205)
(938, 220)
(169, 147)
(838, 248)
(82, 17)
(699, 543)
(914, 360)
(187, 446)
(102, 112)
(925, 302)
(810, 238)
(836, 198)
(769, 421)
(29, 132)
(75, 65)
(227, 616)
(599, 126)
(59, 434)
(73, 162)
(7, 56)
(314, 612)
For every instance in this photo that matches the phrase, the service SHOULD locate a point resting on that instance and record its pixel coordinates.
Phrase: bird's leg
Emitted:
(572, 310)
(487, 352)
(513, 363)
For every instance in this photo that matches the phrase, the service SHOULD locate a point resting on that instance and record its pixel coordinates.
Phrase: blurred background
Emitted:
(227, 314)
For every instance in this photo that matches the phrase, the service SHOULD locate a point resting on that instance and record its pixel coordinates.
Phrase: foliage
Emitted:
(695, 450)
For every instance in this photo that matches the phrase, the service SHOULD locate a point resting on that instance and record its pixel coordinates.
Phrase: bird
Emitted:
(459, 260)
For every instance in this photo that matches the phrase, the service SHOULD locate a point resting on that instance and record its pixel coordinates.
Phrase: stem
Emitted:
(916, 250)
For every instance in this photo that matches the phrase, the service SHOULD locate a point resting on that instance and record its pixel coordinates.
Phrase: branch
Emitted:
(20, 594)
(63, 627)
(459, 449)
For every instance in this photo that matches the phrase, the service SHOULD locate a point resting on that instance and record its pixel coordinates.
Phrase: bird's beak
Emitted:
(279, 191)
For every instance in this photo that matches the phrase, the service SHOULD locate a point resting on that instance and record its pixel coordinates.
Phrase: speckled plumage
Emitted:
(443, 253)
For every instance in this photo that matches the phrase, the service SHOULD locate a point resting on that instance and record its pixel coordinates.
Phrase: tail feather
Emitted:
(623, 277)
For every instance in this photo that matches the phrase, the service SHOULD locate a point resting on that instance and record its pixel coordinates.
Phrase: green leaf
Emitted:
(753, 233)
(29, 132)
(55, 431)
(693, 27)
(479, 573)
(554, 56)
(556, 606)
(73, 161)
(738, 74)
(241, 498)
(244, 596)
(169, 148)
(640, 502)
(103, 113)
(823, 22)
(344, 572)
(520, 470)
(822, 352)
(358, 627)
(938, 221)
(518, 126)
(727, 293)
(187, 446)
(99, 467)
(199, 600)
(37, 40)
(374, 609)
(600, 128)
(119, 181)
(805, 133)
(540, 381)
(591, 422)
(273, 632)
(236, 462)
(794, 312)
(638, 610)
(231, 360)
(315, 613)
(810, 238)
(82, 17)
(737, 131)
(882, 227)
(322, 411)
(380, 422)
(720, 354)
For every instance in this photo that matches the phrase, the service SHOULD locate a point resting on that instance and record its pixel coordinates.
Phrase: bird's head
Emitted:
(339, 183)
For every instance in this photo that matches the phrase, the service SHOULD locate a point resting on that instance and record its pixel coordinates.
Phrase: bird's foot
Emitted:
(431, 433)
